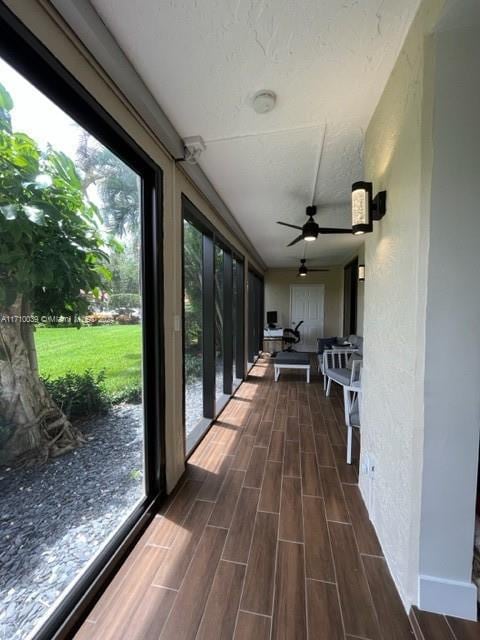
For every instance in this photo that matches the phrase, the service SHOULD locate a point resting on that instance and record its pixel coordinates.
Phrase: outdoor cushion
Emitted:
(342, 376)
(355, 417)
(292, 357)
(354, 356)
(325, 343)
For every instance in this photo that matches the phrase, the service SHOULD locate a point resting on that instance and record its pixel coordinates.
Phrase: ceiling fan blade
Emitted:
(300, 237)
(293, 226)
(333, 230)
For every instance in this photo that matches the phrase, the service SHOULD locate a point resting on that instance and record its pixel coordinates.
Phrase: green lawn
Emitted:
(115, 349)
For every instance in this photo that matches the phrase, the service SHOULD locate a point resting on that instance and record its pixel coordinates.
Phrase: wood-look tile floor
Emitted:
(266, 537)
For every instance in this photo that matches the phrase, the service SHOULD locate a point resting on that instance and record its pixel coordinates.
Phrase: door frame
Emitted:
(350, 298)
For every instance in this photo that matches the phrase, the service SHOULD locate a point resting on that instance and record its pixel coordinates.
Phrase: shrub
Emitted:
(79, 394)
(131, 300)
(131, 394)
(193, 366)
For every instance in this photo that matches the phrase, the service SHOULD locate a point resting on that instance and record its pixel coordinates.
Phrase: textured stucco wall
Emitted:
(277, 295)
(398, 158)
(452, 364)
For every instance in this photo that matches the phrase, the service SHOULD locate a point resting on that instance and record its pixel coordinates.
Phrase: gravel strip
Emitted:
(55, 517)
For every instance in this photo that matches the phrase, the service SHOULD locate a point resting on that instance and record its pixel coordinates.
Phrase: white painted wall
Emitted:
(397, 158)
(452, 361)
(277, 295)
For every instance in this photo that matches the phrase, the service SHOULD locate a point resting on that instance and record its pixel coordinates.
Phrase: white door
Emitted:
(307, 304)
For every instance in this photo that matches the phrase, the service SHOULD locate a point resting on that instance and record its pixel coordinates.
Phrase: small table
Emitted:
(291, 360)
(272, 344)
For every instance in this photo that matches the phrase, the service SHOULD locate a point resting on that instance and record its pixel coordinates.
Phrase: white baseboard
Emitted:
(448, 597)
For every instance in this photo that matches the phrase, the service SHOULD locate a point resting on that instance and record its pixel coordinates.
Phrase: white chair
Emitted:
(336, 366)
(352, 395)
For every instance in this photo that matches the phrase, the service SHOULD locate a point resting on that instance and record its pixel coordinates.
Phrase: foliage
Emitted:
(114, 349)
(193, 278)
(79, 394)
(193, 366)
(118, 185)
(192, 297)
(52, 248)
(131, 393)
(124, 300)
(125, 268)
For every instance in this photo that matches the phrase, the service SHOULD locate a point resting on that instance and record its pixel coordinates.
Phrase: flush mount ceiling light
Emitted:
(366, 209)
(264, 101)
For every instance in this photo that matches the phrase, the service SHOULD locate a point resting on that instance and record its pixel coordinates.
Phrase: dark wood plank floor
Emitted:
(431, 626)
(266, 536)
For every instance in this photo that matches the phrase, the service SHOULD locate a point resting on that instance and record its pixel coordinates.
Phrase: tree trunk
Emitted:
(31, 424)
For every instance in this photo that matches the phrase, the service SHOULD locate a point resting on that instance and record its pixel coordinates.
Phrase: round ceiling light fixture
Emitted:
(264, 101)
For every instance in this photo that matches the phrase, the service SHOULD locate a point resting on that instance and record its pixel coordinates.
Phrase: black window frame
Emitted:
(256, 296)
(22, 50)
(212, 238)
(239, 337)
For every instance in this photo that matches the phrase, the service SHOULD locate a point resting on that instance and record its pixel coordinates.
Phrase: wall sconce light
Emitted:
(366, 209)
(361, 272)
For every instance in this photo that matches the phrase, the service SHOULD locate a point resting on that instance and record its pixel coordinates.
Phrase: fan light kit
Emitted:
(310, 229)
(366, 209)
(264, 101)
(303, 270)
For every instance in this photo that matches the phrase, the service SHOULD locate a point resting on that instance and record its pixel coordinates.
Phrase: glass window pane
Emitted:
(219, 315)
(235, 327)
(193, 328)
(71, 311)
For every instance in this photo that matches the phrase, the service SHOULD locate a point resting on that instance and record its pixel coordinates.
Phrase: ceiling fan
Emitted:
(310, 229)
(303, 270)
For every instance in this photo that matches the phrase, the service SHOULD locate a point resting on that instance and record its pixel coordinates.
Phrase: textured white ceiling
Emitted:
(327, 61)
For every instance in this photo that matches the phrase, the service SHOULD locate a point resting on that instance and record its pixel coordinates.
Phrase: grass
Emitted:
(114, 349)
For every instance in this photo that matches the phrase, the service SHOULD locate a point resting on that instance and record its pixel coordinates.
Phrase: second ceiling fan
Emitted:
(303, 270)
(311, 229)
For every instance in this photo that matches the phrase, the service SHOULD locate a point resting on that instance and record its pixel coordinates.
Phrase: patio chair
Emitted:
(352, 394)
(336, 366)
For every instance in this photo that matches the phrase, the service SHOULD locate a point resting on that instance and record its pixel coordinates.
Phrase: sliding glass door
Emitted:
(213, 323)
(255, 316)
(238, 306)
(80, 433)
(193, 324)
(220, 311)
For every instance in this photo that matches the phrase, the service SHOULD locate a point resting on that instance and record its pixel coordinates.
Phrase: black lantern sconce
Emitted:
(361, 273)
(365, 208)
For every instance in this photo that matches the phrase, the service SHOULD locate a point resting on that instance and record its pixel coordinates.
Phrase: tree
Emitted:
(51, 253)
(118, 187)
(117, 184)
